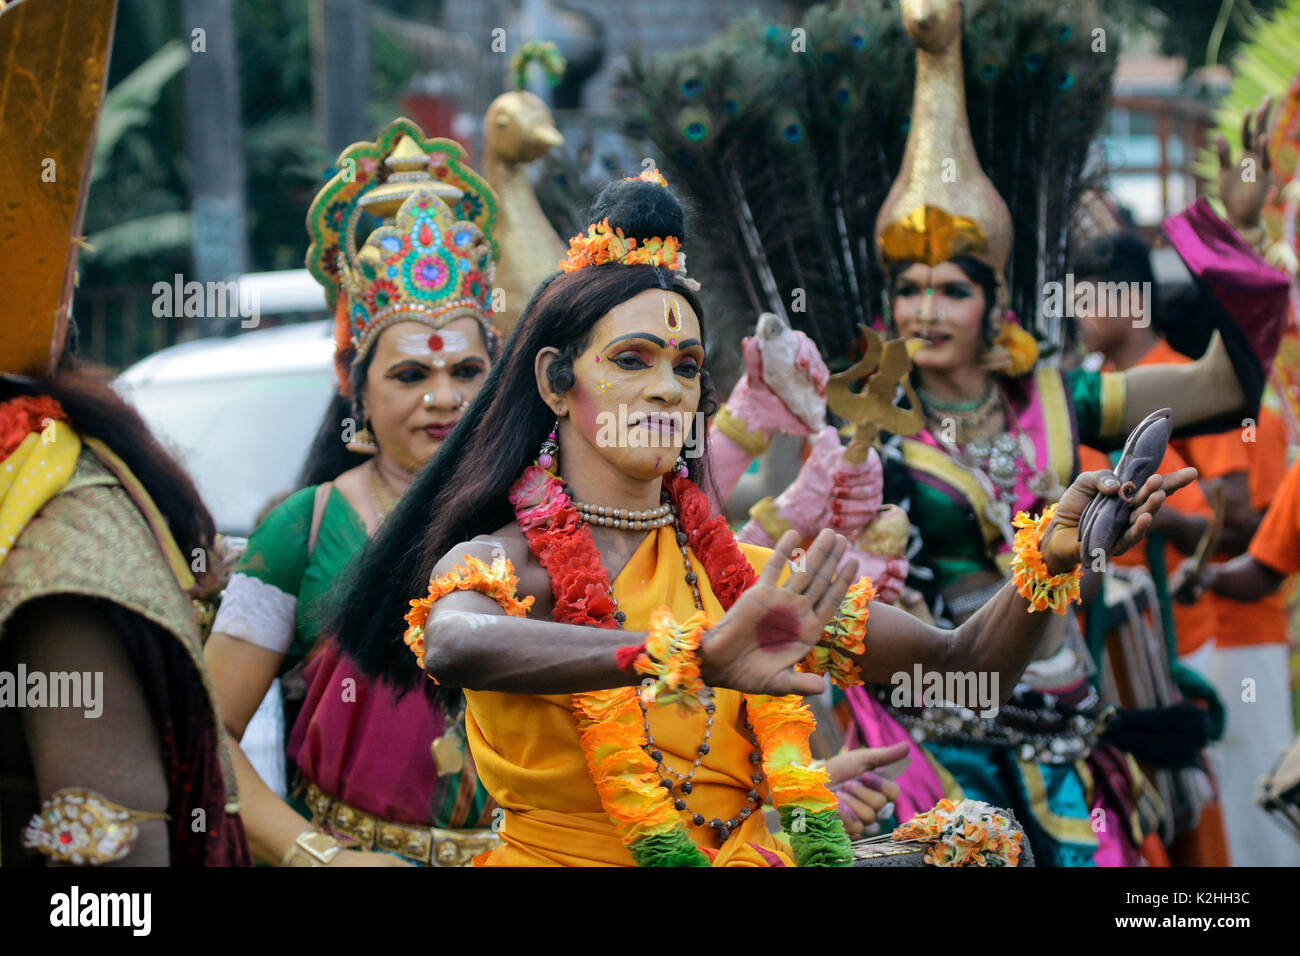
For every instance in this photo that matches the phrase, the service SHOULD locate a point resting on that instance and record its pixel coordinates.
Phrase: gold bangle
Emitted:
(302, 849)
(753, 443)
(79, 826)
(769, 519)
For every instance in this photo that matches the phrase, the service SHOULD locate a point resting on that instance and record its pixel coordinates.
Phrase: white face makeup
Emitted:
(418, 344)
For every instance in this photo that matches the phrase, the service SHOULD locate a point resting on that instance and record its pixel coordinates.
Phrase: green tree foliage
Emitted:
(137, 215)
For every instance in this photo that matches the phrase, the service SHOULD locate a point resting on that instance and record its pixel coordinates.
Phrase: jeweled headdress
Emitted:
(431, 260)
(941, 204)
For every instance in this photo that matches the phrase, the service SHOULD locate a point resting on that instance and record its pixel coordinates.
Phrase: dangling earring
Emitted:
(363, 441)
(682, 470)
(546, 454)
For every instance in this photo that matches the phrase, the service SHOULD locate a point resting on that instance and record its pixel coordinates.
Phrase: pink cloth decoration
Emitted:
(1252, 292)
(372, 752)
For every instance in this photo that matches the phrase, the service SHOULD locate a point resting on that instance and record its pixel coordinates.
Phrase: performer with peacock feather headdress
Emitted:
(788, 142)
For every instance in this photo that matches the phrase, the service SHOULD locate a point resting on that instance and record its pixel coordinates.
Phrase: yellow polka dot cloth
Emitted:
(34, 473)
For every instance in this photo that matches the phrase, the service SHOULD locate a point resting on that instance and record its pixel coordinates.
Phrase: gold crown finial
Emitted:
(408, 171)
(941, 204)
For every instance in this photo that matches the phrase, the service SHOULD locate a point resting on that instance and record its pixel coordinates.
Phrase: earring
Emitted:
(546, 455)
(363, 442)
(682, 470)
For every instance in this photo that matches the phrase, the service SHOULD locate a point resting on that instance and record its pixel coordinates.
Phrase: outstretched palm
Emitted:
(773, 626)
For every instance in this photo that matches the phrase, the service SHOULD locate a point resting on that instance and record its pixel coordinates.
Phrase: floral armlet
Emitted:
(1029, 570)
(845, 635)
(498, 581)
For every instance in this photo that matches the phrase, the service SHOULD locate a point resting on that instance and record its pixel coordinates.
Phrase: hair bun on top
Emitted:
(643, 210)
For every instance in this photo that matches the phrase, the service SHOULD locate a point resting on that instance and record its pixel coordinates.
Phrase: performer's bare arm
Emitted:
(469, 642)
(117, 752)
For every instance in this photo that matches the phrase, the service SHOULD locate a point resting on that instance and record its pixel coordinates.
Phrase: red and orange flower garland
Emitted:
(610, 721)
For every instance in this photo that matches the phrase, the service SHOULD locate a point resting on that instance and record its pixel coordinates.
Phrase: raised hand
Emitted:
(773, 626)
(1060, 546)
(1243, 195)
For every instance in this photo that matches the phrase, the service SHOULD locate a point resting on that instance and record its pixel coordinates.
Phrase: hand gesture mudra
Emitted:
(772, 627)
(1060, 547)
(1243, 195)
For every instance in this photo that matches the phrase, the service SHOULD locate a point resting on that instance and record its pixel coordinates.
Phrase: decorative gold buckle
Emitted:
(323, 856)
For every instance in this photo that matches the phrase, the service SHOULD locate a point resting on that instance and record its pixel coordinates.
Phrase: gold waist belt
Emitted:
(430, 845)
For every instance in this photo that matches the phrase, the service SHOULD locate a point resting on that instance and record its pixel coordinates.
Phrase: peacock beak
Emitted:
(547, 136)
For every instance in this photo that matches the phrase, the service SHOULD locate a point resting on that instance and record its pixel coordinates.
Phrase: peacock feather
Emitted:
(784, 140)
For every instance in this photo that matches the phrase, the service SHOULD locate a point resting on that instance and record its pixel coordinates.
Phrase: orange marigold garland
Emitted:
(603, 244)
(498, 581)
(1029, 571)
(609, 722)
(844, 636)
(671, 657)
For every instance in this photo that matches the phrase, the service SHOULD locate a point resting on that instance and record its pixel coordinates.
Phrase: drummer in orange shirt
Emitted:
(1223, 640)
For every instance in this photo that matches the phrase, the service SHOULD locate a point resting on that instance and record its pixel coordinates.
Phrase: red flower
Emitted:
(21, 416)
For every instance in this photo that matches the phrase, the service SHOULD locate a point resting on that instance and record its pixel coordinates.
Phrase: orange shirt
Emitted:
(1277, 542)
(1194, 624)
(1243, 623)
(1212, 456)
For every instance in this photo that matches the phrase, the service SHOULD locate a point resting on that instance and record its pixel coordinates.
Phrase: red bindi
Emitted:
(435, 342)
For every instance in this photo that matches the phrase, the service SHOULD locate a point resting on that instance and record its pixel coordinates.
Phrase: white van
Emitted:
(239, 413)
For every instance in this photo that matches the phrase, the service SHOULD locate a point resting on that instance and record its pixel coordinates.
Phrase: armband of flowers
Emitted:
(498, 581)
(1029, 571)
(672, 658)
(843, 637)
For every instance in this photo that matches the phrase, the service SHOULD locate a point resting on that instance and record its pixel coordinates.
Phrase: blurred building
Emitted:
(1160, 120)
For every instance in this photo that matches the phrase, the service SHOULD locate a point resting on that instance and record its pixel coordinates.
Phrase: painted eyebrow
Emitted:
(646, 336)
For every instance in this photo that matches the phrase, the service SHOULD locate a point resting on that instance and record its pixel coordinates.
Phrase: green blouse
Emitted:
(277, 596)
(957, 541)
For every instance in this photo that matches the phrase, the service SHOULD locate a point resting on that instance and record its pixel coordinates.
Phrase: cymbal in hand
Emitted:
(1106, 518)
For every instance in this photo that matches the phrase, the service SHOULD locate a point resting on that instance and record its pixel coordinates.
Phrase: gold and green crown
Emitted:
(433, 257)
(427, 267)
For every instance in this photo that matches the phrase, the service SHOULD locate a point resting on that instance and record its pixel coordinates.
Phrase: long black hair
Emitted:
(462, 492)
(329, 456)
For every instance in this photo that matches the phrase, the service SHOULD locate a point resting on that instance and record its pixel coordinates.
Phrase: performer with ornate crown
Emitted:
(550, 584)
(1002, 433)
(391, 779)
(111, 750)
